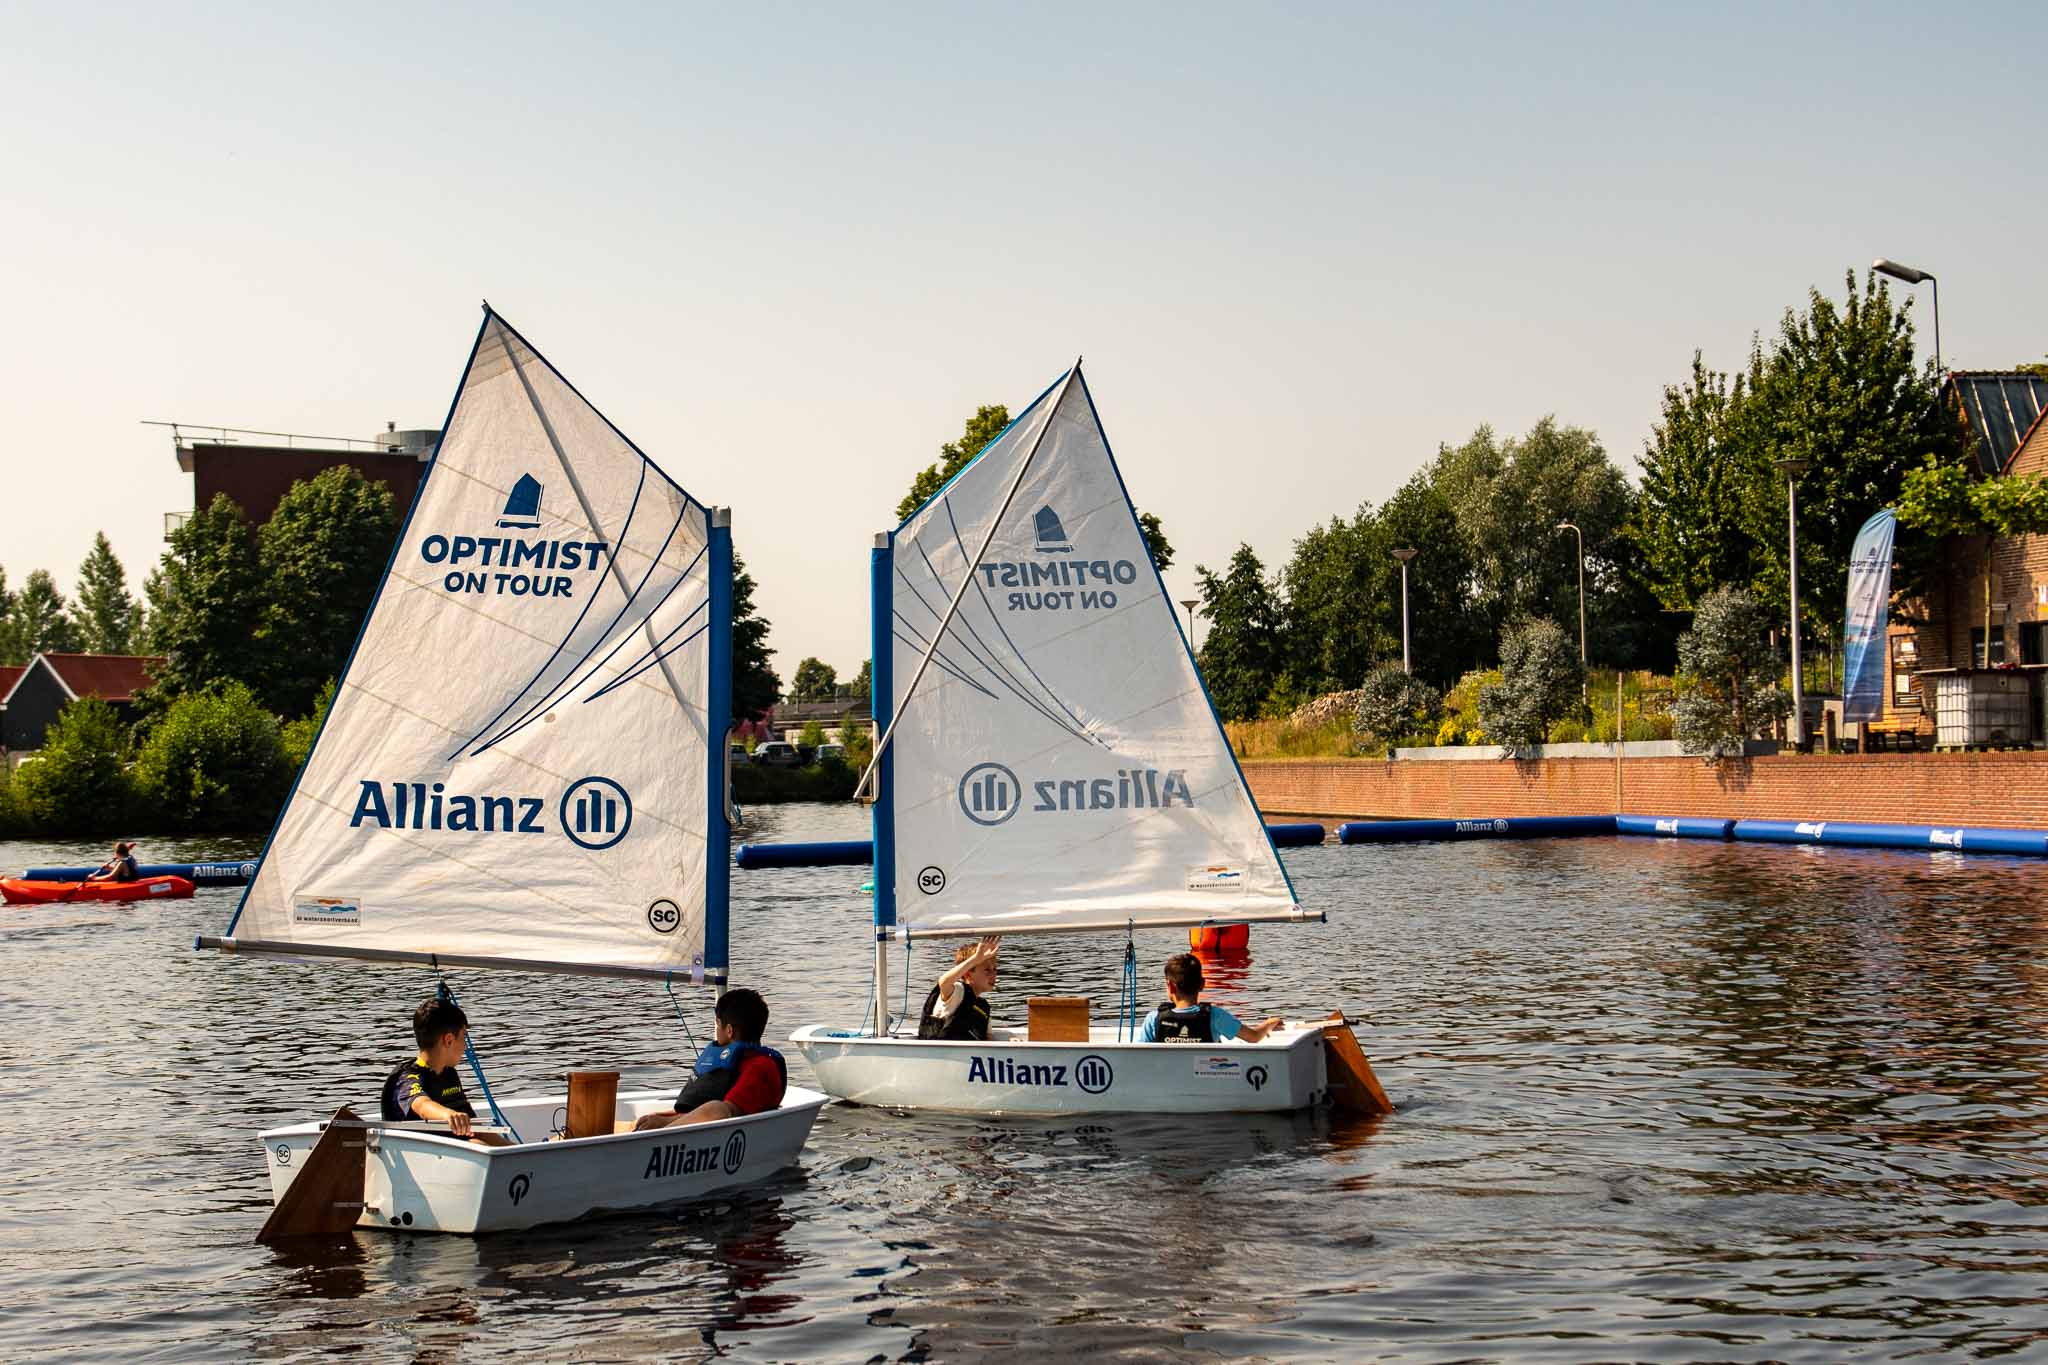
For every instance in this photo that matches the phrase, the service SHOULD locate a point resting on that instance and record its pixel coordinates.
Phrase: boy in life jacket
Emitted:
(735, 1075)
(1183, 1019)
(957, 1008)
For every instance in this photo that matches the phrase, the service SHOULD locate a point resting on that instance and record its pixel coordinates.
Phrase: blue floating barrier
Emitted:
(199, 874)
(1931, 838)
(1304, 835)
(1673, 826)
(829, 853)
(1522, 827)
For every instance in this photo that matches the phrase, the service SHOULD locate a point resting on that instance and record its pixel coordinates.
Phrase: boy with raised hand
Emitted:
(1182, 1018)
(957, 1008)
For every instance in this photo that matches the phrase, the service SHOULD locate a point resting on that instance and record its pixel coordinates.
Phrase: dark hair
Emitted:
(746, 1011)
(434, 1018)
(122, 850)
(1184, 975)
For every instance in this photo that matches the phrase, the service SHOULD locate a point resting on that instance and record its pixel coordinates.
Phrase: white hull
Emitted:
(430, 1182)
(1009, 1075)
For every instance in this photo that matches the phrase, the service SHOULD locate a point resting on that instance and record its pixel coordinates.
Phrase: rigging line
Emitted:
(996, 674)
(447, 993)
(602, 635)
(916, 641)
(1081, 728)
(995, 666)
(651, 656)
(618, 645)
(616, 683)
(576, 485)
(967, 581)
(669, 984)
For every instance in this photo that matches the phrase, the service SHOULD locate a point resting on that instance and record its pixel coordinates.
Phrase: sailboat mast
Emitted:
(967, 577)
(718, 745)
(881, 649)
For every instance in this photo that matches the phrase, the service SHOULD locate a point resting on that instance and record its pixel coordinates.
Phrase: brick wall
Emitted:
(1998, 789)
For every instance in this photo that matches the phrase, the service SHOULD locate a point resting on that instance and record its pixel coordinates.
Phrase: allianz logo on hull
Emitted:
(595, 812)
(990, 794)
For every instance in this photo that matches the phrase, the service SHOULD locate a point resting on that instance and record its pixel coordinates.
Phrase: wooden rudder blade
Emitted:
(326, 1198)
(1353, 1087)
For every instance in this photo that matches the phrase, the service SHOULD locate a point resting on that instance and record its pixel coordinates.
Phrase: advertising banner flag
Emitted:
(1870, 591)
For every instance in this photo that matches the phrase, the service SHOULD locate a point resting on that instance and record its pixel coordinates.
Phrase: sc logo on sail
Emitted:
(990, 794)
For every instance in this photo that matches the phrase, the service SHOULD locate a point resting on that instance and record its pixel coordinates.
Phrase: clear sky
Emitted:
(789, 249)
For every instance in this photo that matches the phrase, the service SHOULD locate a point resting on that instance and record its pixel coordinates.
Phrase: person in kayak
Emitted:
(119, 868)
(957, 1007)
(428, 1087)
(1182, 1018)
(735, 1075)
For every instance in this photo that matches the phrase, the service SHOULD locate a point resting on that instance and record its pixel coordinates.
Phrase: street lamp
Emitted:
(1404, 554)
(1581, 537)
(1794, 467)
(1911, 276)
(1191, 603)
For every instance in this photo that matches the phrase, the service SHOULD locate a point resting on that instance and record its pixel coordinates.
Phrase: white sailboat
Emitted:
(524, 767)
(1052, 764)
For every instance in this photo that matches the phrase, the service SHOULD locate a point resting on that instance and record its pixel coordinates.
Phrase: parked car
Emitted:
(738, 753)
(826, 751)
(777, 753)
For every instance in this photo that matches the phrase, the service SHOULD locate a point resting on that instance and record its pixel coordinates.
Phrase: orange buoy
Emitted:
(1220, 938)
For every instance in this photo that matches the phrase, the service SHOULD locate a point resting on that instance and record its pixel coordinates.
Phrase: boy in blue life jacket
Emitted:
(1183, 1019)
(735, 1075)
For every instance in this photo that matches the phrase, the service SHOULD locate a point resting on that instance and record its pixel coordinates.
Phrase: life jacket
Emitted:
(718, 1067)
(442, 1087)
(1176, 1025)
(967, 1024)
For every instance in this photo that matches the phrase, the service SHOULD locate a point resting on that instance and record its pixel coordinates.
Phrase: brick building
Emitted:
(257, 468)
(2007, 415)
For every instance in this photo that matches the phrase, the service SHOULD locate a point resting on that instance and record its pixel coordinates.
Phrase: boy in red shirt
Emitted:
(735, 1075)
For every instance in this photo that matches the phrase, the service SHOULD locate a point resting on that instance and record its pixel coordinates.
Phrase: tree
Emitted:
(1392, 704)
(755, 687)
(214, 762)
(1156, 543)
(1688, 520)
(1337, 606)
(322, 553)
(1541, 682)
(105, 618)
(986, 424)
(77, 785)
(1942, 499)
(13, 647)
(813, 681)
(205, 602)
(1241, 657)
(1448, 634)
(298, 735)
(42, 617)
(811, 737)
(862, 687)
(1732, 674)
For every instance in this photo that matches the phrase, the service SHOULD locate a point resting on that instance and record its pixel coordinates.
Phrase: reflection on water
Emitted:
(1661, 1100)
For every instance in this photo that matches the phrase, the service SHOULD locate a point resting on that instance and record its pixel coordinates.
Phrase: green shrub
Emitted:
(1394, 706)
(215, 762)
(76, 783)
(11, 823)
(811, 737)
(299, 735)
(1570, 730)
(827, 780)
(1541, 683)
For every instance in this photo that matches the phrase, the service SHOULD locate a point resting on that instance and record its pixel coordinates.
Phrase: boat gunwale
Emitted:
(810, 1033)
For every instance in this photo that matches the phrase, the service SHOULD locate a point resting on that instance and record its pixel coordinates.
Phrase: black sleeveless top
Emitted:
(1175, 1025)
(967, 1024)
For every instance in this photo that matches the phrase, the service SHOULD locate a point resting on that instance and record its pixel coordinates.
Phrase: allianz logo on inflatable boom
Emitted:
(990, 793)
(595, 812)
(513, 566)
(1058, 584)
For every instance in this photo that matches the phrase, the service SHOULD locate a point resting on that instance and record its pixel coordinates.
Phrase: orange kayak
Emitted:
(19, 892)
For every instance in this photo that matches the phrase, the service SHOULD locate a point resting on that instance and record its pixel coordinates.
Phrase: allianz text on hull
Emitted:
(1008, 1075)
(415, 1181)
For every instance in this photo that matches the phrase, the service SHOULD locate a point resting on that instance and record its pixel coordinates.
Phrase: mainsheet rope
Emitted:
(669, 985)
(443, 992)
(1127, 997)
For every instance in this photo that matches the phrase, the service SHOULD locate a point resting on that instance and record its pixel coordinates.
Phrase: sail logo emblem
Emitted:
(1093, 1074)
(522, 505)
(989, 794)
(1052, 537)
(596, 813)
(735, 1152)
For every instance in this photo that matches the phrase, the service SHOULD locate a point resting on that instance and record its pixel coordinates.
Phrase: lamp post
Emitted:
(1191, 603)
(1909, 275)
(1794, 467)
(1580, 536)
(1404, 554)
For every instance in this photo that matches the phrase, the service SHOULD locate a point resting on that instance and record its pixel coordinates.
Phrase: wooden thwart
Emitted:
(327, 1197)
(593, 1103)
(1353, 1087)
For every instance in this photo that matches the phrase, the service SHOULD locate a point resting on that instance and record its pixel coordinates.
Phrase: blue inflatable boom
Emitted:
(1674, 827)
(861, 853)
(1922, 838)
(1522, 827)
(199, 874)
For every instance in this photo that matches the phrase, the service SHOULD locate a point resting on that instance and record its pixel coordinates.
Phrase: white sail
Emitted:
(524, 757)
(1058, 764)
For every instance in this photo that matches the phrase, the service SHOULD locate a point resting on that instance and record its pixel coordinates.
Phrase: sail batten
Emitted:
(1056, 763)
(482, 791)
